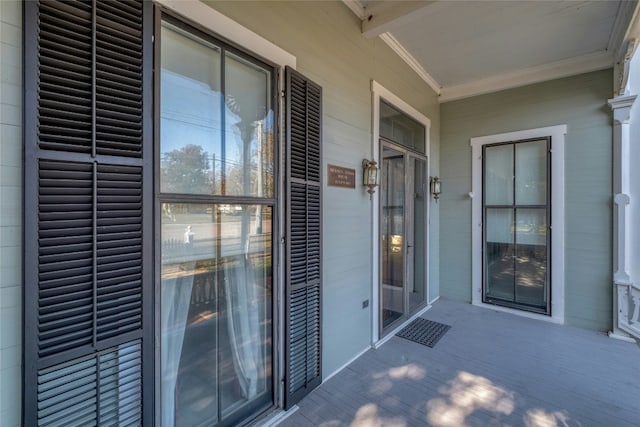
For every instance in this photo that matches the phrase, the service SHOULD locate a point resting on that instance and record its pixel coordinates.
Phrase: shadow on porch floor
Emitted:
(489, 369)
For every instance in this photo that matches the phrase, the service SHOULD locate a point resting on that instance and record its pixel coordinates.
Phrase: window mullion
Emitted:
(223, 122)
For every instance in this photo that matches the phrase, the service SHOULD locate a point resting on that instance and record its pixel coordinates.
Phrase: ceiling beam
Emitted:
(381, 17)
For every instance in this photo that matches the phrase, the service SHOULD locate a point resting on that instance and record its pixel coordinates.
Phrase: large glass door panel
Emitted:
(499, 253)
(392, 235)
(516, 211)
(403, 230)
(418, 244)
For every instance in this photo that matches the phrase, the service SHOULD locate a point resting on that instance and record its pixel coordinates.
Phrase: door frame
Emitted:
(557, 134)
(379, 92)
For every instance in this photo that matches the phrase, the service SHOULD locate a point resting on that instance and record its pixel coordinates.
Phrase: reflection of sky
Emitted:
(191, 115)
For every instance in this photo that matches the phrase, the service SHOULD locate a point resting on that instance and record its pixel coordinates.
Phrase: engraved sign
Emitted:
(341, 177)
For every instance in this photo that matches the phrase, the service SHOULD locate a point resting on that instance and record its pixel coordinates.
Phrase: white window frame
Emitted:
(557, 134)
(229, 29)
(379, 92)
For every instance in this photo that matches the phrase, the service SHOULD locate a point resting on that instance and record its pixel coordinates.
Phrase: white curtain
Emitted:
(243, 318)
(176, 297)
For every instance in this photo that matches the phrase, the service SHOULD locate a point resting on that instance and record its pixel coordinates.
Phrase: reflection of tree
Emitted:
(186, 170)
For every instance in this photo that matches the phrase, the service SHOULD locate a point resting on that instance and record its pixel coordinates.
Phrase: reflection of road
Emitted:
(202, 227)
(204, 238)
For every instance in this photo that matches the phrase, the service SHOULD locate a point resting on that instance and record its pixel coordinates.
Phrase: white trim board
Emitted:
(434, 300)
(276, 417)
(557, 134)
(347, 363)
(226, 27)
(620, 337)
(380, 92)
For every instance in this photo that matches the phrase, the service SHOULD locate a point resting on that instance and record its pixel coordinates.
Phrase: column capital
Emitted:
(621, 106)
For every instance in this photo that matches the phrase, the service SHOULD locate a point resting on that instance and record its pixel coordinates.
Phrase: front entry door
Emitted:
(403, 237)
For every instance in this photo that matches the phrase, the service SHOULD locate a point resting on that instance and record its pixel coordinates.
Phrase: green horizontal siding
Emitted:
(326, 38)
(10, 212)
(581, 103)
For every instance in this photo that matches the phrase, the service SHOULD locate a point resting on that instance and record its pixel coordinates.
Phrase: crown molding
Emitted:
(624, 18)
(384, 16)
(625, 23)
(394, 44)
(356, 7)
(555, 70)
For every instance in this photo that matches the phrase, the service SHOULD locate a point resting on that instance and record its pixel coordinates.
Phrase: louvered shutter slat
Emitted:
(119, 77)
(64, 323)
(68, 392)
(87, 79)
(304, 209)
(119, 210)
(65, 52)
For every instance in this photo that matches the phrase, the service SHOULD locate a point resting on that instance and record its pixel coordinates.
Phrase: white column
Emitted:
(622, 283)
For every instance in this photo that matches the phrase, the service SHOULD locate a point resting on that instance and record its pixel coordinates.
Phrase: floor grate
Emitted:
(423, 331)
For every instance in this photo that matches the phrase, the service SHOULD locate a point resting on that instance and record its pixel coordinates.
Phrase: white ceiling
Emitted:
(465, 48)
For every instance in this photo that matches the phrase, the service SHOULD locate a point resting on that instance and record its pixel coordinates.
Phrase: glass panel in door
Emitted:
(392, 235)
(499, 253)
(516, 210)
(531, 257)
(418, 284)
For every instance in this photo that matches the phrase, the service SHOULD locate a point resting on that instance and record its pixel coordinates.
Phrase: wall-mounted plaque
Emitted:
(341, 177)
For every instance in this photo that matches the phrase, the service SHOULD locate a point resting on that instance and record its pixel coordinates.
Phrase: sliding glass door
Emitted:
(516, 211)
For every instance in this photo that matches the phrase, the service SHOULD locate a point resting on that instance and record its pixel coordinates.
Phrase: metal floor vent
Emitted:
(423, 331)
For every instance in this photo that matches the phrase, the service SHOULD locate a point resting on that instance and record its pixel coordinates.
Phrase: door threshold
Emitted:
(521, 313)
(397, 329)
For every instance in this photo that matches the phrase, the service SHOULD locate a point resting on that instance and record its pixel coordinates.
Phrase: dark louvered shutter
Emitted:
(88, 213)
(303, 352)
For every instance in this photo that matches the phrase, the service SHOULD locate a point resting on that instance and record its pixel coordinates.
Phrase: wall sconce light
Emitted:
(434, 186)
(370, 176)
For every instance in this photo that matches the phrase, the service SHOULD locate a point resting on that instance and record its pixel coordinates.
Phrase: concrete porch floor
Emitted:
(490, 369)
